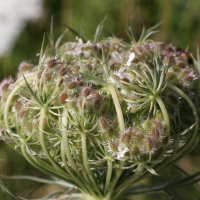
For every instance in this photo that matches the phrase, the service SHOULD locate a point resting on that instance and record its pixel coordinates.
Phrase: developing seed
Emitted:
(72, 85)
(148, 144)
(86, 92)
(63, 71)
(63, 98)
(5, 86)
(52, 63)
(103, 123)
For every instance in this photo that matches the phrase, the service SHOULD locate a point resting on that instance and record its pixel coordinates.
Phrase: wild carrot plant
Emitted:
(102, 115)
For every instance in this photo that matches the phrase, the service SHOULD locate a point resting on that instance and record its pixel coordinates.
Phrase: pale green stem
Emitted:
(129, 181)
(66, 141)
(109, 174)
(27, 76)
(42, 77)
(194, 111)
(167, 123)
(19, 85)
(120, 116)
(118, 109)
(42, 142)
(185, 148)
(40, 165)
(118, 174)
(164, 112)
(76, 179)
(85, 162)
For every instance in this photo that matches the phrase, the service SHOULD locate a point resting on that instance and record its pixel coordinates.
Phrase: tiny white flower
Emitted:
(121, 152)
(130, 59)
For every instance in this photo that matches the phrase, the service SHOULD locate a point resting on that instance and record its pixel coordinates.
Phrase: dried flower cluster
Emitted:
(102, 115)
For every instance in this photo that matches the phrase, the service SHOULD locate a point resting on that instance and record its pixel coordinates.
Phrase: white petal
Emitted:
(131, 57)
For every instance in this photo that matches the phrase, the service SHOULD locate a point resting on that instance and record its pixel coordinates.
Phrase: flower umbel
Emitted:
(100, 115)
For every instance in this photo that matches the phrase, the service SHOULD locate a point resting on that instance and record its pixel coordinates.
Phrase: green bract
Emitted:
(103, 115)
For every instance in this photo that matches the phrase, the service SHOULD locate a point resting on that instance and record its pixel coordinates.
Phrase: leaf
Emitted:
(105, 64)
(75, 33)
(142, 34)
(51, 37)
(58, 41)
(129, 31)
(41, 180)
(82, 68)
(169, 195)
(31, 91)
(5, 189)
(153, 27)
(152, 171)
(92, 79)
(82, 32)
(41, 53)
(158, 197)
(99, 30)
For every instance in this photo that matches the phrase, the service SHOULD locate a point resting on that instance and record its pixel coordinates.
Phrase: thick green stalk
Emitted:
(129, 182)
(109, 174)
(85, 162)
(117, 176)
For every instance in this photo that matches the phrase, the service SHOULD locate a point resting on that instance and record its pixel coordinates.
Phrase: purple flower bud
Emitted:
(125, 80)
(63, 71)
(63, 98)
(181, 64)
(170, 76)
(115, 77)
(24, 66)
(89, 66)
(47, 77)
(126, 137)
(155, 133)
(18, 105)
(5, 86)
(86, 92)
(103, 123)
(148, 144)
(72, 85)
(115, 66)
(52, 63)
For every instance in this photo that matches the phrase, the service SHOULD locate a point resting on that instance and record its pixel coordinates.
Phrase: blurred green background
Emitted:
(181, 26)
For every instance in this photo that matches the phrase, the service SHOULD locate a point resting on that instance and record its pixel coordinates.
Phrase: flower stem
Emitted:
(196, 118)
(117, 176)
(85, 161)
(18, 86)
(118, 109)
(164, 112)
(109, 174)
(66, 141)
(43, 145)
